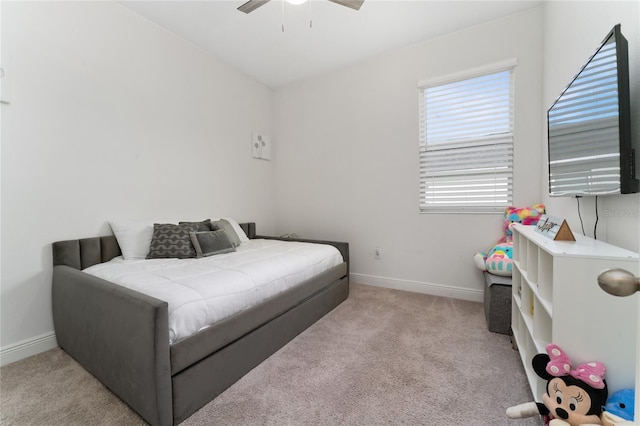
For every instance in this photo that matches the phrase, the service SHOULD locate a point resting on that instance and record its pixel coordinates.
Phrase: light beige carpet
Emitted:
(381, 357)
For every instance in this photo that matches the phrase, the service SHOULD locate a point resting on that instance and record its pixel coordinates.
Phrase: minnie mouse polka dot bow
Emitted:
(591, 373)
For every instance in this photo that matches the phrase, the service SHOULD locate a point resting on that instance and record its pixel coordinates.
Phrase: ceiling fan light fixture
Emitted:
(252, 5)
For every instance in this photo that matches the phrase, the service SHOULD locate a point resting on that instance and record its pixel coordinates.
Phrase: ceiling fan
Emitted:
(252, 5)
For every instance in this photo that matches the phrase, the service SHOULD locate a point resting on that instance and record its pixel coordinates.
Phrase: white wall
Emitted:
(572, 32)
(112, 117)
(348, 158)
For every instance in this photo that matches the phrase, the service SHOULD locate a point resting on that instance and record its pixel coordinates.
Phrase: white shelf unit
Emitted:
(556, 298)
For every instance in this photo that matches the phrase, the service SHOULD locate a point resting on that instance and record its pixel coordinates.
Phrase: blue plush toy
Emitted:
(621, 404)
(499, 260)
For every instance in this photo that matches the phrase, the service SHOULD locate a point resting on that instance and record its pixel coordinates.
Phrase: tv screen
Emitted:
(589, 125)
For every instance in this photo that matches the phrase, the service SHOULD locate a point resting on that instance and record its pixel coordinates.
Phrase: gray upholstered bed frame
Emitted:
(122, 336)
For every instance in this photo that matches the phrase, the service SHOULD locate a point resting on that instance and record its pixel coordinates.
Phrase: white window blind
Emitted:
(466, 144)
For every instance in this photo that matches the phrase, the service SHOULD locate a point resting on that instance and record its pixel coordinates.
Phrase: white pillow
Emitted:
(236, 227)
(134, 238)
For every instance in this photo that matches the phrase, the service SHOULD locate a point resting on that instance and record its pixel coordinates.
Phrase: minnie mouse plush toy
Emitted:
(573, 397)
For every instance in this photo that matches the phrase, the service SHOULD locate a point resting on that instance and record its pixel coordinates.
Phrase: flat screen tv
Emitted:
(589, 125)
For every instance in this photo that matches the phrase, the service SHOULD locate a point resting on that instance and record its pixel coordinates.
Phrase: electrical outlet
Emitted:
(377, 253)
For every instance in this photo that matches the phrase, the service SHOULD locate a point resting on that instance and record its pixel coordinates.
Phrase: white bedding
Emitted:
(201, 292)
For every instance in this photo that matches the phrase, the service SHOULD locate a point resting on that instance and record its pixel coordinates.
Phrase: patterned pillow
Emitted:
(209, 243)
(171, 241)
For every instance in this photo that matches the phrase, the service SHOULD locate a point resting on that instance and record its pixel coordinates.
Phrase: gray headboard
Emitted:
(80, 254)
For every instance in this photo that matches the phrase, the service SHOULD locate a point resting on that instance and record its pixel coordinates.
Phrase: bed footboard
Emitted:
(119, 335)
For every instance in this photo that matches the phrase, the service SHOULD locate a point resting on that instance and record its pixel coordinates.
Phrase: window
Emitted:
(466, 143)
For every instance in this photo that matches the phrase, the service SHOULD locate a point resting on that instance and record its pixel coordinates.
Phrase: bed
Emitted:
(122, 336)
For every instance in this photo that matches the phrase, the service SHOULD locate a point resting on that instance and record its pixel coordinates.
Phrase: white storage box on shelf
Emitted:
(556, 298)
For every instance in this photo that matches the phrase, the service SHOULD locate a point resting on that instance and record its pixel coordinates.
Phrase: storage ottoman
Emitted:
(497, 302)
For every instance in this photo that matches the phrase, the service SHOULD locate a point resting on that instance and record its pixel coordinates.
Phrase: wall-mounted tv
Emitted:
(589, 125)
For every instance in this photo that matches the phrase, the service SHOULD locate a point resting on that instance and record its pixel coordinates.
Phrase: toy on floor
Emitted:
(574, 397)
(498, 260)
(619, 408)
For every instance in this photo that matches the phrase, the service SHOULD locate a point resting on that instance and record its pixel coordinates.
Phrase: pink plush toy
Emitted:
(523, 215)
(574, 396)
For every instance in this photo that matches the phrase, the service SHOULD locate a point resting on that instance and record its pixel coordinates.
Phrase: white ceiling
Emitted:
(256, 45)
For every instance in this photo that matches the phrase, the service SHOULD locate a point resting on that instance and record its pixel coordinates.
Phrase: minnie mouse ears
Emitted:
(591, 373)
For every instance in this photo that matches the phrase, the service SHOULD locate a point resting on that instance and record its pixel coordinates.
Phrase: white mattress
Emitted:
(201, 292)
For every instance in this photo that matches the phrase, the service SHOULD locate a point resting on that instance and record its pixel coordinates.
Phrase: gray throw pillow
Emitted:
(204, 225)
(208, 243)
(228, 229)
(171, 241)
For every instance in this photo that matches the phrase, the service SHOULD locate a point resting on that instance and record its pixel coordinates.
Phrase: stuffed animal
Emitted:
(498, 259)
(609, 419)
(619, 408)
(574, 397)
(524, 215)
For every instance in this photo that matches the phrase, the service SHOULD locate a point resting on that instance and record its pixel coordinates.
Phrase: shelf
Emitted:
(541, 326)
(525, 346)
(521, 278)
(547, 306)
(532, 261)
(545, 274)
(554, 290)
(583, 247)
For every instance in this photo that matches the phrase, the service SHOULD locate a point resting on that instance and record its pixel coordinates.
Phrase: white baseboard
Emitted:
(419, 287)
(27, 348)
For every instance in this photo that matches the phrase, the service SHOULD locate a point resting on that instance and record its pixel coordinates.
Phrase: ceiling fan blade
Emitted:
(251, 5)
(353, 4)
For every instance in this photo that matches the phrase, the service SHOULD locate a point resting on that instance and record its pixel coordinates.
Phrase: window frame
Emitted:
(500, 143)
